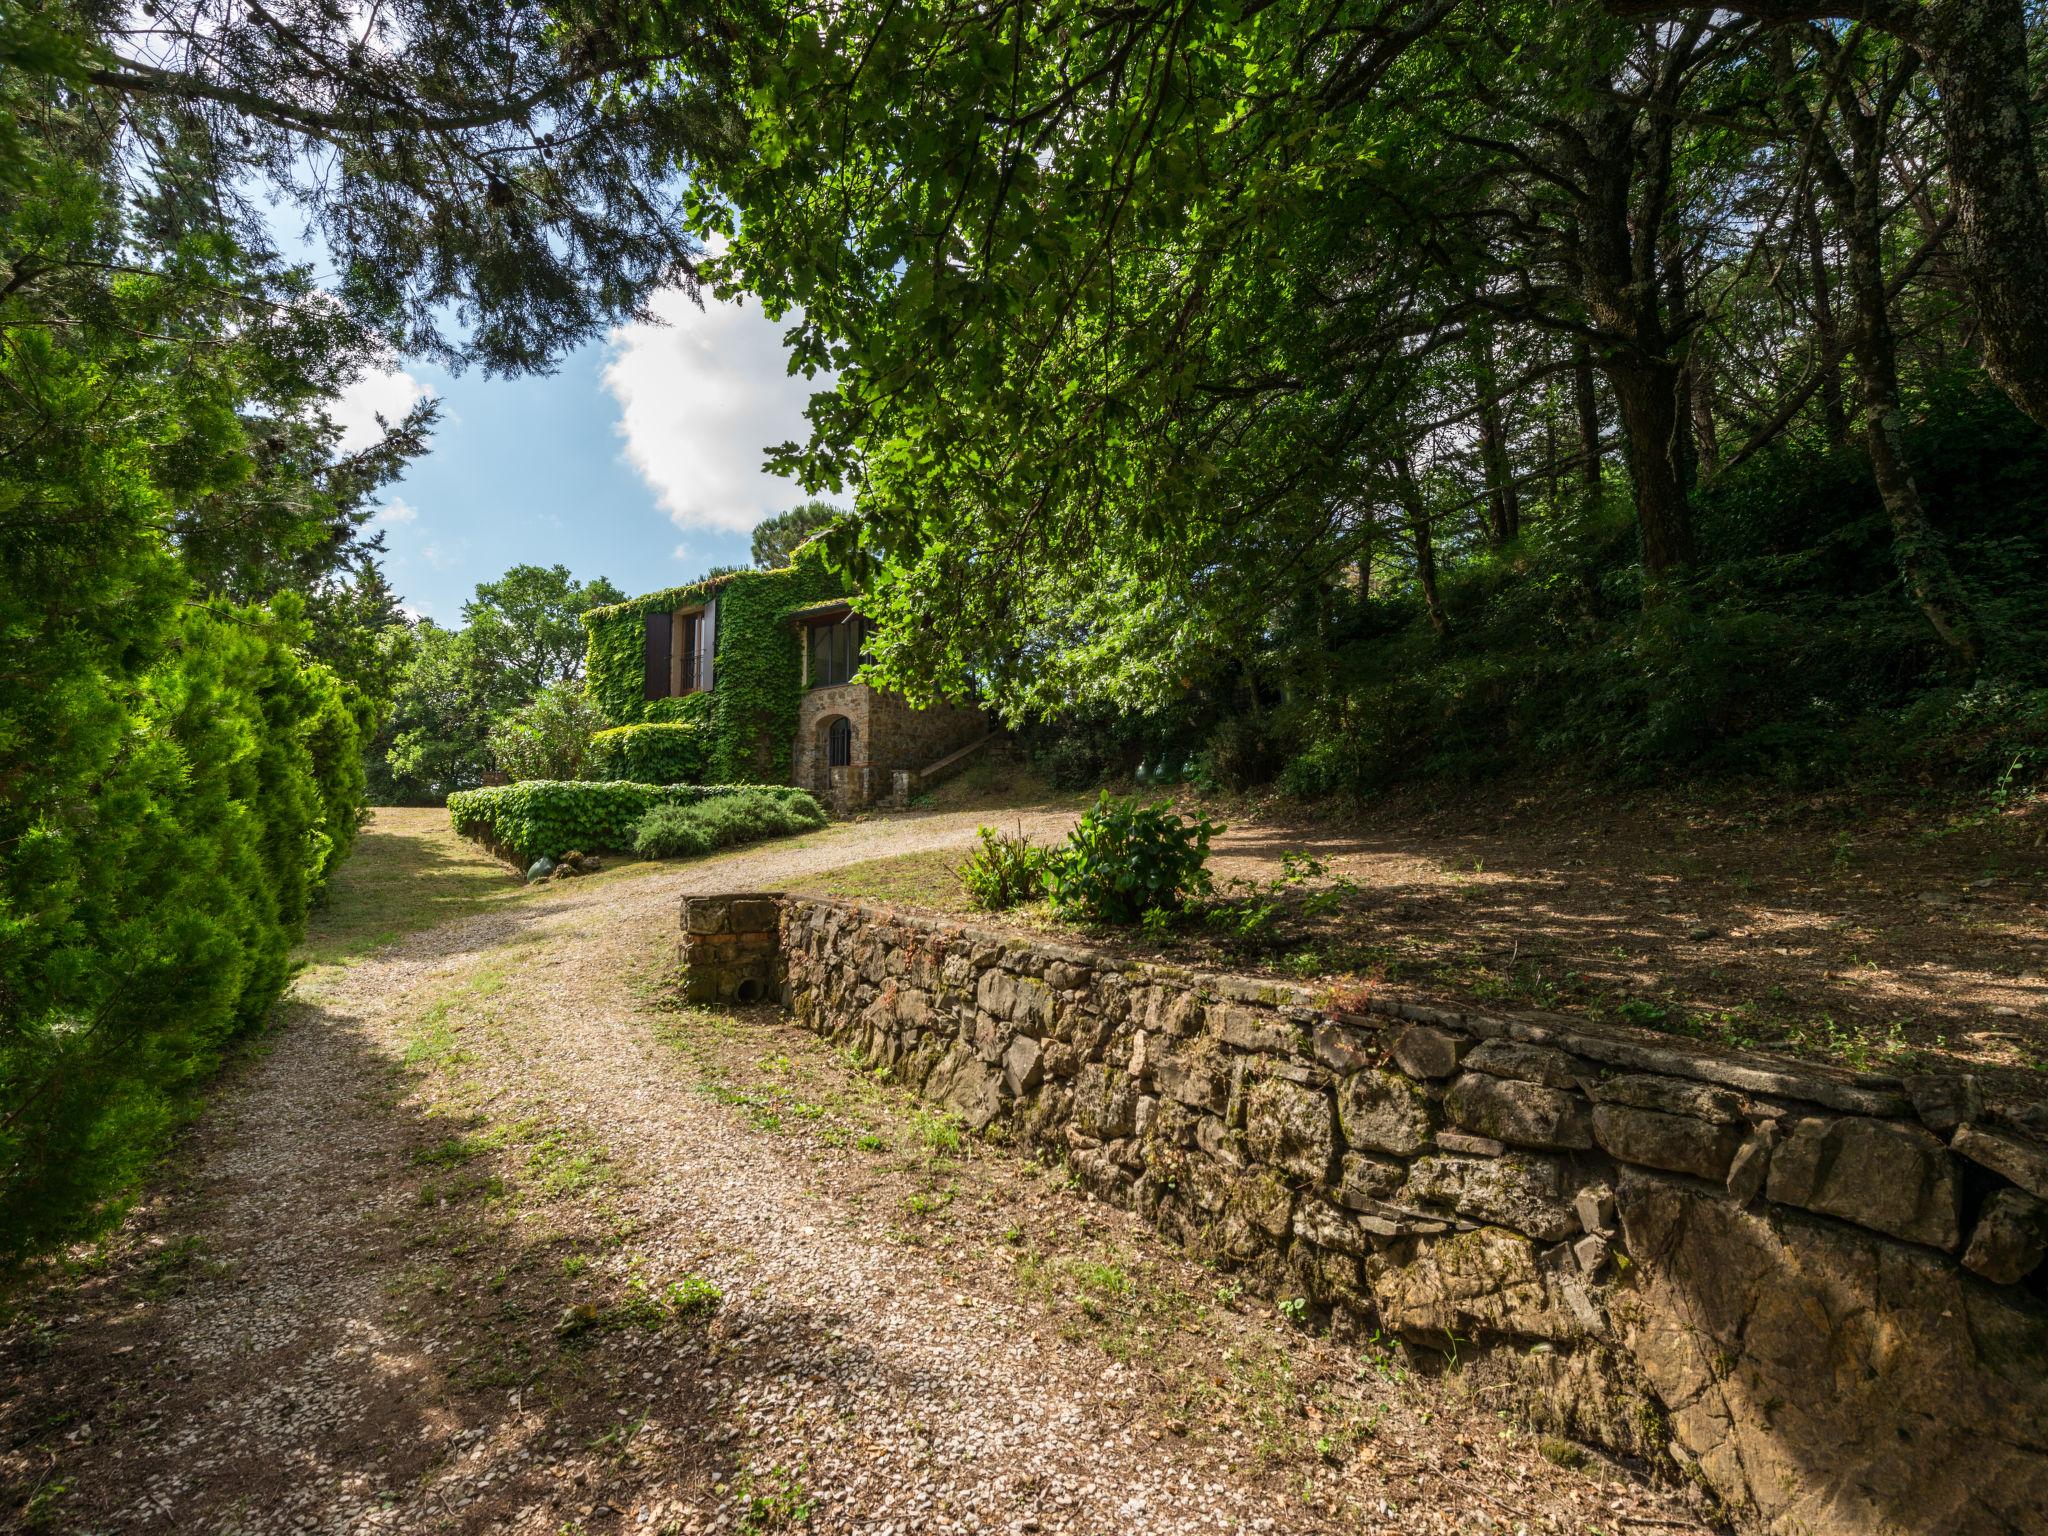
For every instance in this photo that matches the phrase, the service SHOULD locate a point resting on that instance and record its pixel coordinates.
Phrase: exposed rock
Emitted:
(1256, 1214)
(1944, 1100)
(1345, 1049)
(1384, 1112)
(1591, 1252)
(1751, 1164)
(1105, 1102)
(1290, 1127)
(2021, 1161)
(539, 869)
(969, 1084)
(2011, 1237)
(1422, 1050)
(1671, 1096)
(1530, 1063)
(1594, 1206)
(1891, 1178)
(1252, 1029)
(1469, 1284)
(1836, 1381)
(1021, 1066)
(1677, 1143)
(1323, 1224)
(1474, 1146)
(1193, 1081)
(1365, 1180)
(1519, 1190)
(1521, 1114)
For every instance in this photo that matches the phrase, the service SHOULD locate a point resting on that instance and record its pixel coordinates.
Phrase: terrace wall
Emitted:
(1820, 1293)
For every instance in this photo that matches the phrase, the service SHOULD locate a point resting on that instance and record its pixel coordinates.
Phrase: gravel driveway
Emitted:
(492, 1237)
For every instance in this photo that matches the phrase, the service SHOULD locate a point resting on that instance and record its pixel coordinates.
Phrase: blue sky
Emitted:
(638, 459)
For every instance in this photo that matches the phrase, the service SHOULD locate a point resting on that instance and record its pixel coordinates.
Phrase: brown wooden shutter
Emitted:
(657, 655)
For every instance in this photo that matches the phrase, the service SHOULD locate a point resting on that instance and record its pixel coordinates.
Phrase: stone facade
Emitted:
(889, 737)
(1820, 1293)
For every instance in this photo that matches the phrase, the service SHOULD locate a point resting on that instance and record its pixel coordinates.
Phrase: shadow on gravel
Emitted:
(334, 1304)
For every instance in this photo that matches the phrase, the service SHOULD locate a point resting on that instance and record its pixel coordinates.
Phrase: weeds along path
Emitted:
(493, 1238)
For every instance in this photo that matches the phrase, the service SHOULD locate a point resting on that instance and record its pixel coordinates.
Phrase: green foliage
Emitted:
(180, 770)
(550, 738)
(527, 627)
(757, 666)
(502, 691)
(743, 816)
(1125, 859)
(1791, 657)
(545, 819)
(776, 538)
(655, 753)
(1005, 871)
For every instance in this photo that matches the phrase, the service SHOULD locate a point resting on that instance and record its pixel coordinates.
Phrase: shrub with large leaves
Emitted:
(1125, 859)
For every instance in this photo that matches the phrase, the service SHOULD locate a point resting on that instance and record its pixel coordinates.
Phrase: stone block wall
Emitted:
(1819, 1293)
(731, 950)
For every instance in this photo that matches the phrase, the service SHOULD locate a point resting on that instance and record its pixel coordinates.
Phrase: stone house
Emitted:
(856, 744)
(750, 677)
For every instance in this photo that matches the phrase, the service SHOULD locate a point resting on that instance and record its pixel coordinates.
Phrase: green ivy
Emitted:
(655, 753)
(757, 665)
(545, 818)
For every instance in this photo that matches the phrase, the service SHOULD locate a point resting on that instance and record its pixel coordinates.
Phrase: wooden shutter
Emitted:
(657, 655)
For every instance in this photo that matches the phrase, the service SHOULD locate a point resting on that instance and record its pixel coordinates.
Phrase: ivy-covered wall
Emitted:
(757, 663)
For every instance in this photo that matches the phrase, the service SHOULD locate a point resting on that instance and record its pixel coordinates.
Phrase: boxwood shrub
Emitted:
(545, 818)
(650, 754)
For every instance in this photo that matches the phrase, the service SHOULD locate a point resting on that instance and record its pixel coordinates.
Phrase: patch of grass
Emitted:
(938, 1131)
(927, 879)
(409, 871)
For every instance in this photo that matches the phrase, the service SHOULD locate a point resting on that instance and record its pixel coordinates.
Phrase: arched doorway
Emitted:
(836, 747)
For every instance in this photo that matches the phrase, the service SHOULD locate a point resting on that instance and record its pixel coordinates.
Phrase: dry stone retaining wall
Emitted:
(1820, 1293)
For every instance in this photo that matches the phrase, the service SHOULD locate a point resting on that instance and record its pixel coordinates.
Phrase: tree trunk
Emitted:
(1647, 394)
(1503, 504)
(1424, 544)
(1832, 411)
(1922, 561)
(1588, 403)
(1977, 53)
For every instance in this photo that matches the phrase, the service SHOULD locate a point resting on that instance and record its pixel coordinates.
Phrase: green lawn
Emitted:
(410, 871)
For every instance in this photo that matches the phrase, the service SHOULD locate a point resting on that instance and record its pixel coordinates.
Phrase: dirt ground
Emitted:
(1885, 937)
(489, 1236)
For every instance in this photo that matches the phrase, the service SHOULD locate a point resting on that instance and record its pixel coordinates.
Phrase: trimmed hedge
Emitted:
(680, 831)
(545, 818)
(650, 754)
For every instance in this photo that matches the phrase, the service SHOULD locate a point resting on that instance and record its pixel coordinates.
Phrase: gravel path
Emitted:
(492, 1238)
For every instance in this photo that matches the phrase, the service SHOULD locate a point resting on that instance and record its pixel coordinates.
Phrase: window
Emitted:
(839, 744)
(696, 660)
(836, 646)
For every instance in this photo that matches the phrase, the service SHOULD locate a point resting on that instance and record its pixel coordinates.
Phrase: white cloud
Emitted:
(388, 394)
(682, 552)
(701, 397)
(394, 513)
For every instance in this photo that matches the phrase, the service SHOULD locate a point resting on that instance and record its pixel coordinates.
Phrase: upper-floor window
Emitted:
(679, 647)
(836, 645)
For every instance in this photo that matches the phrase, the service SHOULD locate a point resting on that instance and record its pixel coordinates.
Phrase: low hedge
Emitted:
(681, 831)
(545, 818)
(650, 754)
